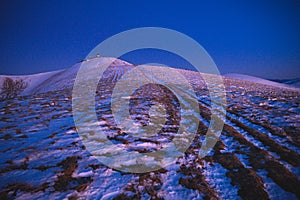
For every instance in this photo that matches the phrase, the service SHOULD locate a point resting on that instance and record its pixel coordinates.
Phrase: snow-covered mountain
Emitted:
(64, 79)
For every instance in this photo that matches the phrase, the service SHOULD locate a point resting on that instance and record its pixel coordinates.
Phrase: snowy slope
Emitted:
(258, 80)
(63, 79)
(33, 81)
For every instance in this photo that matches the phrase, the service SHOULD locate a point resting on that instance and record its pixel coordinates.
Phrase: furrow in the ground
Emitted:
(261, 159)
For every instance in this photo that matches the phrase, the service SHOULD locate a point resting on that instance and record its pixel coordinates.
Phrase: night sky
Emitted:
(260, 38)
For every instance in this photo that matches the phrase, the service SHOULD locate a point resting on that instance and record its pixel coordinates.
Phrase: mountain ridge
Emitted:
(255, 79)
(63, 79)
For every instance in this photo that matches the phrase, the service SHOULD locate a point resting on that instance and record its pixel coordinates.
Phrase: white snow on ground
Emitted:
(215, 175)
(172, 190)
(275, 192)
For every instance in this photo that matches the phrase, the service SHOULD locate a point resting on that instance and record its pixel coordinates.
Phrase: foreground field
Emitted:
(257, 156)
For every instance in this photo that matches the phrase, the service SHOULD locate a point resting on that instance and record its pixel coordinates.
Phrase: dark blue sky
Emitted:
(258, 38)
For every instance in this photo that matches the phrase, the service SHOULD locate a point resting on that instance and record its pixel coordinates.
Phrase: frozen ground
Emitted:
(257, 157)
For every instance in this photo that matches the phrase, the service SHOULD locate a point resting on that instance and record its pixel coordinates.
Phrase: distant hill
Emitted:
(283, 84)
(293, 82)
